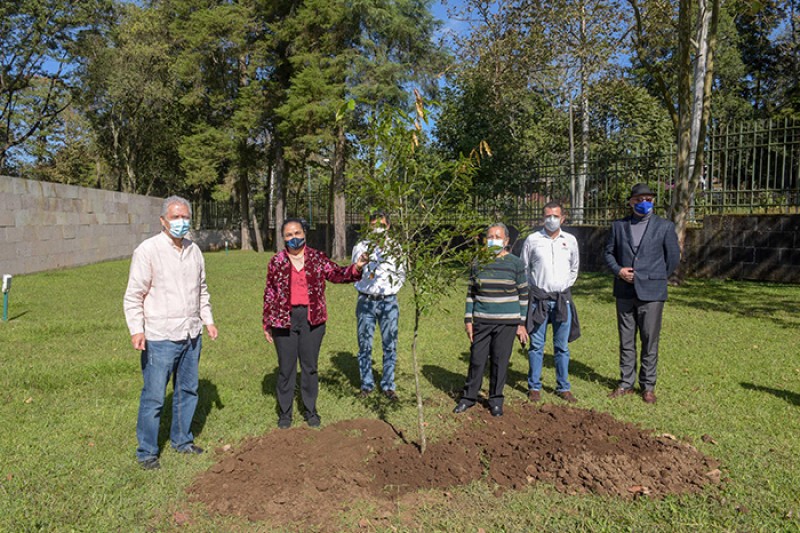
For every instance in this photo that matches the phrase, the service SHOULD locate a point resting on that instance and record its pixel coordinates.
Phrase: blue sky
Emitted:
(440, 8)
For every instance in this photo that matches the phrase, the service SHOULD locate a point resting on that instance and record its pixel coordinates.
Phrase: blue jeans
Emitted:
(560, 350)
(160, 361)
(386, 313)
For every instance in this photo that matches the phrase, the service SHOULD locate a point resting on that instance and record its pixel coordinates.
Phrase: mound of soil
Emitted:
(304, 475)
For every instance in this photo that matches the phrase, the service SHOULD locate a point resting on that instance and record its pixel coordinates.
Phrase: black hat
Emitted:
(641, 189)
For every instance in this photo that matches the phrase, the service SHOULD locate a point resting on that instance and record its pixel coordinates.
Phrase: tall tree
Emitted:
(689, 102)
(215, 64)
(127, 93)
(36, 44)
(534, 59)
(367, 51)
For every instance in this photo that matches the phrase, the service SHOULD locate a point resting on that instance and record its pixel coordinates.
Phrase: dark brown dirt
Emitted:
(307, 476)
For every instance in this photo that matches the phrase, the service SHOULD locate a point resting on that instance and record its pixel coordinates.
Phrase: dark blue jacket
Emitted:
(657, 257)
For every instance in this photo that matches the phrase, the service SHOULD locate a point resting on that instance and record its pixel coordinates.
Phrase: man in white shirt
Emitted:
(166, 304)
(377, 290)
(551, 261)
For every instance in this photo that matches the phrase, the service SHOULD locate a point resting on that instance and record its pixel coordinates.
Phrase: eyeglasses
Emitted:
(640, 199)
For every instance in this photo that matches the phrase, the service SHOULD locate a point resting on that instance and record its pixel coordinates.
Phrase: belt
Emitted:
(375, 297)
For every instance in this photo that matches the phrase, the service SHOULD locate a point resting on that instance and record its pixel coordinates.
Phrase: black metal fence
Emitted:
(749, 168)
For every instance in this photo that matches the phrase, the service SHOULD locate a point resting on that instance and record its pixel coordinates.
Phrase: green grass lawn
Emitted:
(70, 381)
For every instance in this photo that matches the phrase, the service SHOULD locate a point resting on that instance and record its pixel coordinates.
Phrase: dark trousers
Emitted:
(493, 343)
(300, 341)
(633, 314)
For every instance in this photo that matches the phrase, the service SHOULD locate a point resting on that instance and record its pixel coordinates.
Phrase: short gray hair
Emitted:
(499, 225)
(175, 200)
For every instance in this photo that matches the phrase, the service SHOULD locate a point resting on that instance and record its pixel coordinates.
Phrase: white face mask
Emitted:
(495, 245)
(552, 223)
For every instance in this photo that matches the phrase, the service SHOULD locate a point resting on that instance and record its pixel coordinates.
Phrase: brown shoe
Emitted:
(567, 396)
(534, 396)
(620, 391)
(649, 396)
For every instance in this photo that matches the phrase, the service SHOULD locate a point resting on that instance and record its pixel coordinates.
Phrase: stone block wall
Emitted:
(751, 247)
(763, 247)
(46, 226)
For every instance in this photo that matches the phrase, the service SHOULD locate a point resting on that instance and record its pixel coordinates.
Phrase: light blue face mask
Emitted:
(495, 245)
(179, 228)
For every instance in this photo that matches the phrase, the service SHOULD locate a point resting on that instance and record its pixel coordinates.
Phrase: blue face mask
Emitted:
(179, 228)
(643, 208)
(295, 243)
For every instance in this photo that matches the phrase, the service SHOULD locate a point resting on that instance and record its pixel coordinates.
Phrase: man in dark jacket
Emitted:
(642, 251)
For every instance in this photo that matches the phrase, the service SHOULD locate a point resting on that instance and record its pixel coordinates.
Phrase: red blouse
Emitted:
(298, 287)
(318, 269)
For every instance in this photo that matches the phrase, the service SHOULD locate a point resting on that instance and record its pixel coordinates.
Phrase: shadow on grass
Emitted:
(738, 298)
(594, 286)
(18, 315)
(791, 397)
(445, 380)
(208, 398)
(344, 380)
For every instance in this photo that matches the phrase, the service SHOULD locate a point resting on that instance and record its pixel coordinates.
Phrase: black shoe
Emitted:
(313, 420)
(191, 449)
(150, 463)
(496, 410)
(365, 392)
(392, 395)
(461, 407)
(284, 422)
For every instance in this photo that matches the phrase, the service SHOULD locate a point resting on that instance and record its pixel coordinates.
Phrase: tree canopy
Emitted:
(245, 101)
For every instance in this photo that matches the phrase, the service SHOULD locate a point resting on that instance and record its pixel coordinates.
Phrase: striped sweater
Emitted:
(498, 292)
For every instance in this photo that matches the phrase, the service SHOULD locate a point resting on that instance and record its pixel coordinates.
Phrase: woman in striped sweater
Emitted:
(497, 304)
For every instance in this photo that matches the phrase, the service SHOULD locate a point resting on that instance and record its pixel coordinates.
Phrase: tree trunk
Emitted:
(257, 230)
(244, 204)
(689, 170)
(339, 249)
(279, 193)
(420, 410)
(580, 190)
(572, 185)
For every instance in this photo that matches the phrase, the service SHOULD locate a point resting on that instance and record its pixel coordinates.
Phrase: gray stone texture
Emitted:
(46, 226)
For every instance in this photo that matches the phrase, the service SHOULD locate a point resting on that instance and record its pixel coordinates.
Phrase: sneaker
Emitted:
(534, 396)
(365, 392)
(151, 463)
(191, 449)
(284, 422)
(392, 395)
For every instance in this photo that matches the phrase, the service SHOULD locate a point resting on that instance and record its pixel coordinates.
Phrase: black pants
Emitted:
(490, 342)
(633, 314)
(300, 341)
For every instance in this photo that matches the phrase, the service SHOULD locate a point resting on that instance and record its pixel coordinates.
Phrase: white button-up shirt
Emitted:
(167, 297)
(551, 264)
(382, 276)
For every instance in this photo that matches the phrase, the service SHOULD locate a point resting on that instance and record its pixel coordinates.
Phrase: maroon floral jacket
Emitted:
(277, 306)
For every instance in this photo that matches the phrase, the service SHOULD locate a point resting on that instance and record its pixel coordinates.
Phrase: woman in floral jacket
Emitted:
(295, 315)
